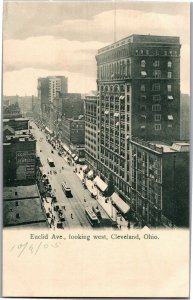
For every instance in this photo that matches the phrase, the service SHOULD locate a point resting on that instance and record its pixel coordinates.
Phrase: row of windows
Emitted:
(157, 126)
(156, 87)
(156, 64)
(156, 52)
(114, 88)
(117, 88)
(89, 145)
(120, 69)
(156, 74)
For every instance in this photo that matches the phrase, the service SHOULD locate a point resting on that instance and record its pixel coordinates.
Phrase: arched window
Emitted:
(106, 88)
(143, 63)
(116, 88)
(169, 64)
(122, 88)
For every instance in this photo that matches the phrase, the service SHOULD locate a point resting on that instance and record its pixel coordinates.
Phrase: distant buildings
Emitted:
(25, 103)
(47, 90)
(11, 111)
(66, 106)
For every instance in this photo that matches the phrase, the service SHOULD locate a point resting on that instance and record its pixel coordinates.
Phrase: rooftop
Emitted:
(23, 212)
(16, 119)
(20, 192)
(161, 147)
(139, 38)
(90, 98)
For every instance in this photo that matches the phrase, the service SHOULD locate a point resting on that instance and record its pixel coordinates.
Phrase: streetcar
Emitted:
(50, 162)
(66, 189)
(91, 216)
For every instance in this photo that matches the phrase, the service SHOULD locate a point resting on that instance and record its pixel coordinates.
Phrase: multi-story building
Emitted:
(72, 131)
(19, 160)
(160, 182)
(138, 81)
(47, 90)
(91, 132)
(69, 105)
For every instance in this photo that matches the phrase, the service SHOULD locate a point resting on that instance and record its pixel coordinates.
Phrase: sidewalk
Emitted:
(107, 206)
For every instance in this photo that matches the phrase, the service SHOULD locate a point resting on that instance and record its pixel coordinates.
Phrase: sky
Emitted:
(62, 38)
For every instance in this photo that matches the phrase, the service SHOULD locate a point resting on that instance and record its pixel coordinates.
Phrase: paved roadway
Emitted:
(81, 197)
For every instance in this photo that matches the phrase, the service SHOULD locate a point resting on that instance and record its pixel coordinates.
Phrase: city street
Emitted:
(73, 208)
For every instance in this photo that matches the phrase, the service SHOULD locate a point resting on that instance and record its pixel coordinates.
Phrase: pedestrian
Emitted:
(84, 199)
(64, 207)
(71, 216)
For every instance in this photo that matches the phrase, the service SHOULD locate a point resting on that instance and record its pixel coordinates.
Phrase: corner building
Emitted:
(138, 81)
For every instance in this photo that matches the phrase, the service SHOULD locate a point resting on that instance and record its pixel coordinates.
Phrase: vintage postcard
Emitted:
(96, 102)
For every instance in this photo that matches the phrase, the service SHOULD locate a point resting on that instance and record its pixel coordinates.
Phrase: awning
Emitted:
(121, 97)
(143, 73)
(142, 126)
(73, 155)
(170, 117)
(85, 168)
(76, 158)
(116, 114)
(65, 147)
(100, 183)
(90, 174)
(170, 97)
(48, 130)
(69, 152)
(124, 207)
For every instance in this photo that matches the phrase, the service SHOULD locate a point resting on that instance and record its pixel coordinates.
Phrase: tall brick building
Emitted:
(138, 83)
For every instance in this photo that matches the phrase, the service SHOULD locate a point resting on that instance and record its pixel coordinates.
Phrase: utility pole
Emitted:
(115, 25)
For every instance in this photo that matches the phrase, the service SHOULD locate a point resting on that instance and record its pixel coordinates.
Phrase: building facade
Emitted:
(47, 91)
(19, 160)
(67, 105)
(91, 132)
(138, 82)
(160, 183)
(72, 131)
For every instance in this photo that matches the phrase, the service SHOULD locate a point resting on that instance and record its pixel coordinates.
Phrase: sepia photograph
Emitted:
(96, 131)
